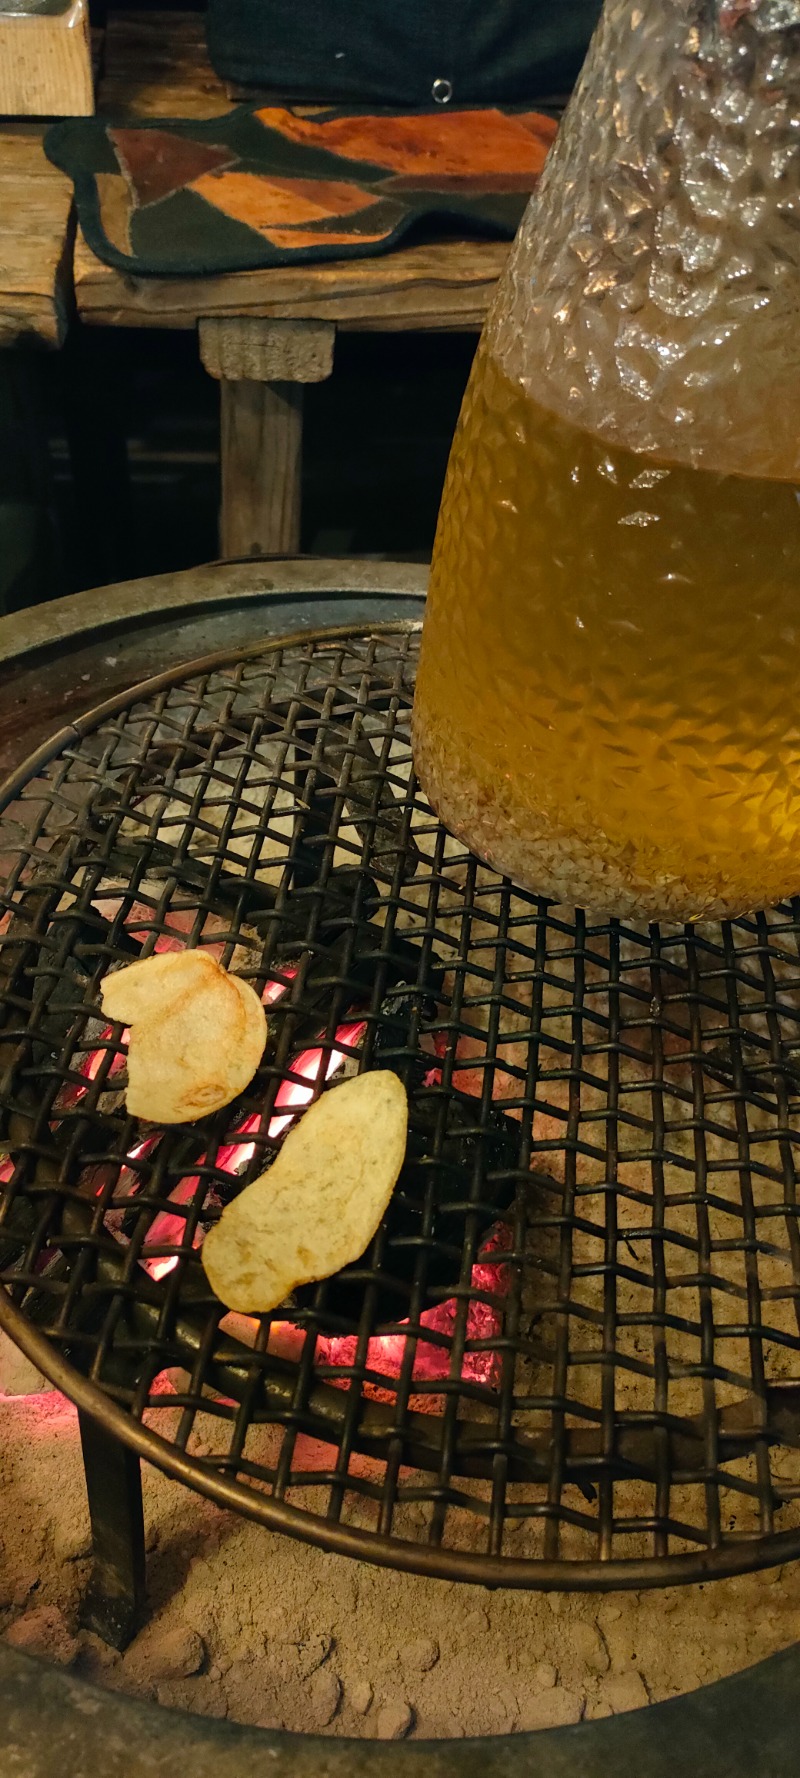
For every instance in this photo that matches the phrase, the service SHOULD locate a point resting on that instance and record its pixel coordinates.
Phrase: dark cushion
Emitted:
(393, 52)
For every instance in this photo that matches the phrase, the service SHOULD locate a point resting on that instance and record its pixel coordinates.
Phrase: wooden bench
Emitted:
(36, 234)
(263, 334)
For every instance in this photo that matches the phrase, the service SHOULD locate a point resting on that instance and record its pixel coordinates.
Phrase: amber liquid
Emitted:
(608, 703)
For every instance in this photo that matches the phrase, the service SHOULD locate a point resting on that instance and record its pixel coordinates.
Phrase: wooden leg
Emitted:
(261, 444)
(115, 1603)
(262, 366)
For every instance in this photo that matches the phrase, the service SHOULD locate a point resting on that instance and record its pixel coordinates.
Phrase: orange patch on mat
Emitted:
(461, 143)
(264, 204)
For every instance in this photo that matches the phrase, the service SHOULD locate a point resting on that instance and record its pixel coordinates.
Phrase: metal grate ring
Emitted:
(570, 1356)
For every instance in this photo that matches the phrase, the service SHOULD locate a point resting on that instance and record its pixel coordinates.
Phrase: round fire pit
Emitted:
(568, 1359)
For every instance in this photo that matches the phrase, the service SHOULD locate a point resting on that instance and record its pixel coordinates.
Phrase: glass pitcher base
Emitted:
(564, 866)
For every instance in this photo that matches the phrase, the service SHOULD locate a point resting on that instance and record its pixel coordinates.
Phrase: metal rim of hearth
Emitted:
(729, 1728)
(727, 1558)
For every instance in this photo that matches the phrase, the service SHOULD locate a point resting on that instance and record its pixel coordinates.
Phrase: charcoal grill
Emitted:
(570, 1356)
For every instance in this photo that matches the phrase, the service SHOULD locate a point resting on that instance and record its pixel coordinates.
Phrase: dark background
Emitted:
(376, 440)
(109, 455)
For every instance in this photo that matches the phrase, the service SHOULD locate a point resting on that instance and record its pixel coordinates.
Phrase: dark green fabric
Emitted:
(390, 52)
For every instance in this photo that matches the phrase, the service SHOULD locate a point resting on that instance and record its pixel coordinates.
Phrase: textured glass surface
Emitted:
(653, 291)
(608, 693)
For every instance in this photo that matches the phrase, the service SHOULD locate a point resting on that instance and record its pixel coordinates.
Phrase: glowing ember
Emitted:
(385, 1352)
(129, 1181)
(274, 989)
(169, 1231)
(138, 1152)
(235, 1155)
(93, 1063)
(433, 1078)
(72, 1094)
(178, 923)
(158, 1268)
(314, 1066)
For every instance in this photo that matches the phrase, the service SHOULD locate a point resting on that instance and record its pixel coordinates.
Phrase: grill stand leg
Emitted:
(115, 1604)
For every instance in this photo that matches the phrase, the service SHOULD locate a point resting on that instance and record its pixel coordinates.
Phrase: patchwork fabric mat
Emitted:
(267, 185)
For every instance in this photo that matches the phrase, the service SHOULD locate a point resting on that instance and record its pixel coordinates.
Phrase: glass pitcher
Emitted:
(608, 702)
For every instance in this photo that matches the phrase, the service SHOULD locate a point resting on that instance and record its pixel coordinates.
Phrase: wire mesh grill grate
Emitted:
(572, 1349)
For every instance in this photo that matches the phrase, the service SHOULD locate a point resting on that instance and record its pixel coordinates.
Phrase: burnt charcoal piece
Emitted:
(153, 859)
(257, 904)
(340, 898)
(753, 1064)
(49, 960)
(340, 763)
(404, 1011)
(333, 965)
(464, 1175)
(331, 763)
(17, 1229)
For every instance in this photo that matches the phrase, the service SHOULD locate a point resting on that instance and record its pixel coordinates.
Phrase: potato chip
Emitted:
(317, 1207)
(152, 984)
(197, 1034)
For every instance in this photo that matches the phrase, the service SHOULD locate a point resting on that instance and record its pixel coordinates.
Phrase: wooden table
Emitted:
(36, 233)
(263, 334)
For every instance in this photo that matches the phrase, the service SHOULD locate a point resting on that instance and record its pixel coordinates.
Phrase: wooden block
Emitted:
(45, 58)
(32, 305)
(36, 237)
(261, 450)
(244, 347)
